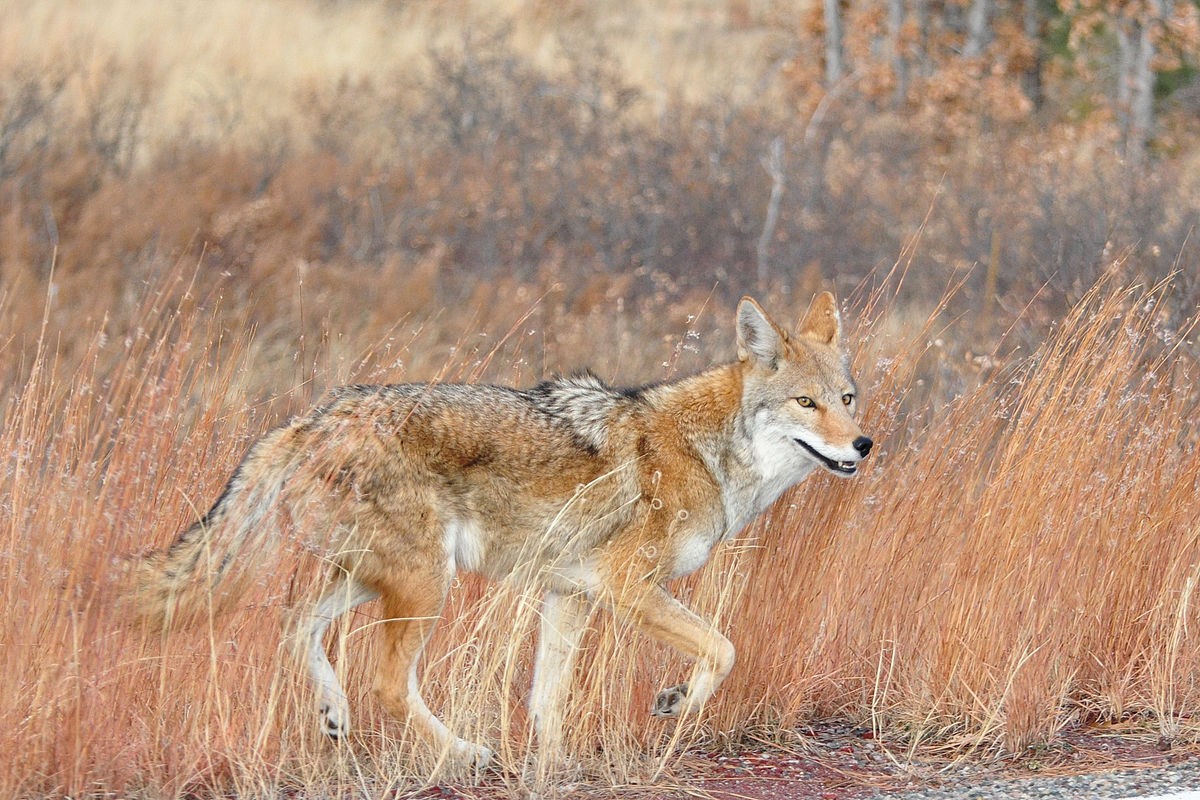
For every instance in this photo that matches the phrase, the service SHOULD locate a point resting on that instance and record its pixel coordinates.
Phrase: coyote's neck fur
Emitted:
(712, 420)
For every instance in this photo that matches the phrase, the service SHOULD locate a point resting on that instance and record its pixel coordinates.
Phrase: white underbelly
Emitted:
(692, 554)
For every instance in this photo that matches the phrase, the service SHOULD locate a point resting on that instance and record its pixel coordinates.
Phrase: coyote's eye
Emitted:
(847, 398)
(806, 402)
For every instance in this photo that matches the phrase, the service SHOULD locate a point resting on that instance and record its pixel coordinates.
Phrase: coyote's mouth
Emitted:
(836, 467)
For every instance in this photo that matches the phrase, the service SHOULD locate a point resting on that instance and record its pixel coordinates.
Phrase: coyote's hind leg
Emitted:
(344, 594)
(564, 621)
(412, 605)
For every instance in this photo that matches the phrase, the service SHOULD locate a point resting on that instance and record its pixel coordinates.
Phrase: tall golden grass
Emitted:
(1026, 561)
(499, 191)
(1020, 556)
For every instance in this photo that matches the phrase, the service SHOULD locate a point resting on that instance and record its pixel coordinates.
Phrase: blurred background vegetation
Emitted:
(308, 156)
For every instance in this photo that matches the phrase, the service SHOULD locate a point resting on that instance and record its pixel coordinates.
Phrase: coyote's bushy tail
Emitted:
(211, 563)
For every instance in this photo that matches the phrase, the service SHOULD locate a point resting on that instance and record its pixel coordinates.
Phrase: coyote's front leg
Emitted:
(655, 612)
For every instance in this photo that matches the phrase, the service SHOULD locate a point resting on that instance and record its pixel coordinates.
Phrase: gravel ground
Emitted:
(1124, 783)
(838, 762)
(835, 761)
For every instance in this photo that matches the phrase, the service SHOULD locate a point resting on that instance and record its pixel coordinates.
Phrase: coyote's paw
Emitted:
(335, 722)
(670, 701)
(470, 756)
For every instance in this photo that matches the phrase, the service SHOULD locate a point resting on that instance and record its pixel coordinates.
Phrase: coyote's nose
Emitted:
(863, 445)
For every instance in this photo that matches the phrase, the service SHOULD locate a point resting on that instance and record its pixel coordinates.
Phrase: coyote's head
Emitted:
(799, 391)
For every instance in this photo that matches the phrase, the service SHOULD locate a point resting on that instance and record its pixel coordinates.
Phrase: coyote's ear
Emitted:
(822, 322)
(757, 336)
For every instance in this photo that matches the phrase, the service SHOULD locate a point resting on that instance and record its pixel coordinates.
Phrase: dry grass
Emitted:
(241, 73)
(1018, 558)
(1026, 563)
(202, 231)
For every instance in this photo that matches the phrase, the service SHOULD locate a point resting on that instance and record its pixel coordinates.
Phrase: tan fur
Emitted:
(592, 495)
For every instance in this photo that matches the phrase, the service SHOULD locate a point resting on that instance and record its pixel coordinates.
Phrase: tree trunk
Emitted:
(1031, 77)
(1135, 79)
(896, 54)
(834, 68)
(1141, 113)
(978, 19)
(773, 164)
(923, 59)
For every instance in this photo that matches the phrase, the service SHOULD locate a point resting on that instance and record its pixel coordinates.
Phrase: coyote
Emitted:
(593, 495)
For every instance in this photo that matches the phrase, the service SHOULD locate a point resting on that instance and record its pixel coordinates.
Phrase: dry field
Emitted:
(211, 217)
(1019, 559)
